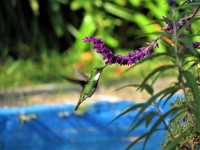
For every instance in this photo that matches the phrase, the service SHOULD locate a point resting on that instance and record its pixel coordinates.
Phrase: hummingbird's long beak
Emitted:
(104, 66)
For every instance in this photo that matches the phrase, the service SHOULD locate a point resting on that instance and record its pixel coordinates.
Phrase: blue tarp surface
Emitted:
(59, 128)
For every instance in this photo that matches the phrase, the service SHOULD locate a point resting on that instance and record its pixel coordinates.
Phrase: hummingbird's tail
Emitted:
(77, 106)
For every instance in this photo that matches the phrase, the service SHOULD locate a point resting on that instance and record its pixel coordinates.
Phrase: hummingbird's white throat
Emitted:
(97, 76)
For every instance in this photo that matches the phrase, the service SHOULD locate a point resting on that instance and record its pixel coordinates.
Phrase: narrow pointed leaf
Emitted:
(170, 95)
(152, 99)
(127, 111)
(175, 142)
(158, 122)
(147, 87)
(137, 140)
(129, 85)
(147, 118)
(188, 42)
(166, 97)
(158, 70)
(192, 84)
(150, 117)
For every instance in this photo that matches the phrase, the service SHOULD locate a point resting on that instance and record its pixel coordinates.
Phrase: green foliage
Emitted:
(185, 123)
(31, 30)
(30, 27)
(183, 127)
(18, 73)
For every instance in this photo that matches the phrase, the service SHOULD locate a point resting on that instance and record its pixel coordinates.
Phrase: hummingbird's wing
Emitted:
(81, 75)
(80, 82)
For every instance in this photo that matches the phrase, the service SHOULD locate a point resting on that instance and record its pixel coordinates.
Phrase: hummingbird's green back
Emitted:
(90, 87)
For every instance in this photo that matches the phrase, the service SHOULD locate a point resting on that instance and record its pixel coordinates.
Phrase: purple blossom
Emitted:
(169, 26)
(195, 45)
(129, 59)
(179, 25)
(171, 3)
(155, 44)
(181, 36)
(182, 22)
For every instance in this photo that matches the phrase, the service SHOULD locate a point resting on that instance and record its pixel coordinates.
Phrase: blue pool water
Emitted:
(50, 130)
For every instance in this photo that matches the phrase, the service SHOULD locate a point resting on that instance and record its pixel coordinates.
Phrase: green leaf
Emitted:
(188, 42)
(175, 142)
(147, 118)
(151, 115)
(156, 6)
(129, 85)
(154, 98)
(34, 6)
(57, 22)
(192, 84)
(137, 140)
(158, 122)
(147, 87)
(119, 11)
(196, 113)
(127, 111)
(171, 92)
(170, 95)
(135, 3)
(158, 70)
(127, 14)
(87, 28)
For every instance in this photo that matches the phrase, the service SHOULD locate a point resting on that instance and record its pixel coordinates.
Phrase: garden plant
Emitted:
(183, 127)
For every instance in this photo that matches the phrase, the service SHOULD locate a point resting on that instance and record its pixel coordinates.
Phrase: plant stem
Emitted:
(165, 123)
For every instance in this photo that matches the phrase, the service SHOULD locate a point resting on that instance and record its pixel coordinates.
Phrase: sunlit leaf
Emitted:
(87, 28)
(175, 142)
(119, 11)
(35, 6)
(130, 15)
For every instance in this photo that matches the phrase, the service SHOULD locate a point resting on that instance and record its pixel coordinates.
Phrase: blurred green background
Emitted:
(41, 40)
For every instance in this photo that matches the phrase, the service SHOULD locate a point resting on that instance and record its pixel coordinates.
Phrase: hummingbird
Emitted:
(89, 85)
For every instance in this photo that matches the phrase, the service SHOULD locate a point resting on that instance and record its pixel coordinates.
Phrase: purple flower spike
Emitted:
(129, 59)
(171, 3)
